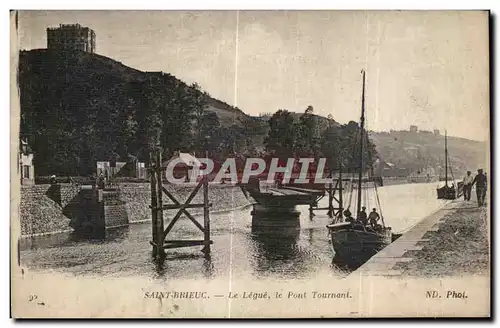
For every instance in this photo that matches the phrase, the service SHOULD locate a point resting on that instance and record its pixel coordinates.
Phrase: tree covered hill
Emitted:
(78, 108)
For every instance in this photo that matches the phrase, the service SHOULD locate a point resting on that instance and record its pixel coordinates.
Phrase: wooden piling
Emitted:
(341, 202)
(206, 216)
(159, 213)
(330, 199)
(154, 202)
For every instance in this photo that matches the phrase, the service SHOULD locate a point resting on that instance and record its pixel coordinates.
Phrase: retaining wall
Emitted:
(63, 207)
(137, 197)
(46, 208)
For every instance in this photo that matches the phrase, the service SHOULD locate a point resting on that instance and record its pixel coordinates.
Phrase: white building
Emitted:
(26, 168)
(122, 169)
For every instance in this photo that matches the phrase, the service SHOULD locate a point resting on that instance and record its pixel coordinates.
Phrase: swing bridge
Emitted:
(276, 200)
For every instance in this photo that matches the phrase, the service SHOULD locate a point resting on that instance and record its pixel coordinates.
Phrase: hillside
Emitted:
(94, 66)
(78, 108)
(421, 149)
(95, 108)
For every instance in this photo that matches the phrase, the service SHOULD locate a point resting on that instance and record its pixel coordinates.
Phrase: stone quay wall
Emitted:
(46, 209)
(137, 197)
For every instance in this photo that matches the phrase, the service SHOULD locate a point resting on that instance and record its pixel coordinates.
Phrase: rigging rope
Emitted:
(366, 195)
(378, 202)
(376, 190)
(368, 203)
(355, 200)
(357, 161)
(350, 196)
(451, 171)
(456, 187)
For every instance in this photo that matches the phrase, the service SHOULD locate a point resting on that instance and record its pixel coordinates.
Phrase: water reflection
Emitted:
(74, 237)
(208, 266)
(169, 263)
(276, 248)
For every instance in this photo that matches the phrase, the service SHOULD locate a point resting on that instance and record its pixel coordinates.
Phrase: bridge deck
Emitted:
(286, 191)
(286, 197)
(300, 191)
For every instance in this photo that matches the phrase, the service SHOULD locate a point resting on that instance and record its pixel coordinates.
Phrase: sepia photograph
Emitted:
(250, 164)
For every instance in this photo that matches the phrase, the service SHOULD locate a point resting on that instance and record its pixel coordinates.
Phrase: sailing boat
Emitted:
(354, 242)
(446, 191)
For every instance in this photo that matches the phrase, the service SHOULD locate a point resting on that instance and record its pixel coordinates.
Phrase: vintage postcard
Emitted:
(250, 164)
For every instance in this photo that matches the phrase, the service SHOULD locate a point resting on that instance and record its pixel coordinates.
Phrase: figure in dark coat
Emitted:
(481, 186)
(363, 217)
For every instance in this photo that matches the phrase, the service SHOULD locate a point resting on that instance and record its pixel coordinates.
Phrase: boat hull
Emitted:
(446, 193)
(355, 246)
(450, 193)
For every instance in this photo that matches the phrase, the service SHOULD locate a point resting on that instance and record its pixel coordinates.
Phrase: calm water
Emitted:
(296, 253)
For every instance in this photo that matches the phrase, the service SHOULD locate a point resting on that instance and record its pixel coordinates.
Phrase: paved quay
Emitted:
(439, 232)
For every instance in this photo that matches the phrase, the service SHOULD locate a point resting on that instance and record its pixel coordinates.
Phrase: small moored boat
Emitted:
(356, 243)
(448, 191)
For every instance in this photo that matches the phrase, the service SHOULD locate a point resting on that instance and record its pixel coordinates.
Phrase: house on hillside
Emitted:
(382, 168)
(122, 169)
(26, 167)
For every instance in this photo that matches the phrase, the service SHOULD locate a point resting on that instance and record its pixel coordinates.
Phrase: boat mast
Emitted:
(361, 143)
(341, 201)
(445, 158)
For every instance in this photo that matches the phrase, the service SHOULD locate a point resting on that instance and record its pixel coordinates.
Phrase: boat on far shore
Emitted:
(449, 191)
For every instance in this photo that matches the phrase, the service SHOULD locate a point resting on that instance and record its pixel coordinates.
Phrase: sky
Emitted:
(424, 68)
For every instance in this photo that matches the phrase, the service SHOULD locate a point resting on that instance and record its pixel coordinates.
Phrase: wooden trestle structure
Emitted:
(331, 190)
(159, 233)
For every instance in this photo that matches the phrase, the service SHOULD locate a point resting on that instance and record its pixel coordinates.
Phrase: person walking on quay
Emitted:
(481, 186)
(468, 185)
